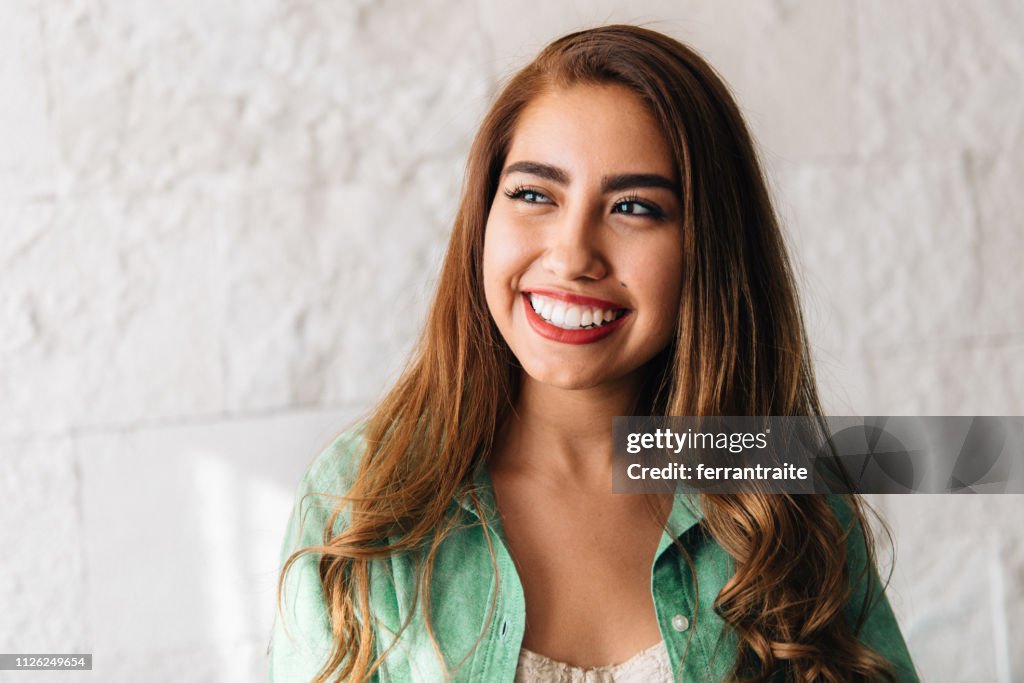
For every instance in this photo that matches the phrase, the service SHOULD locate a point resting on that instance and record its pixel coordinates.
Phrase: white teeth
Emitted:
(573, 316)
(570, 316)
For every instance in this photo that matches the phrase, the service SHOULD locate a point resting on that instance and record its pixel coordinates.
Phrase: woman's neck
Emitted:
(564, 433)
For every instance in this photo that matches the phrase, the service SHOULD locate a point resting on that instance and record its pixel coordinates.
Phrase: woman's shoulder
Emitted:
(334, 469)
(302, 636)
(323, 488)
(852, 524)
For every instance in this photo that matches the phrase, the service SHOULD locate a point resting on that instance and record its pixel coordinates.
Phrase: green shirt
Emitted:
(465, 585)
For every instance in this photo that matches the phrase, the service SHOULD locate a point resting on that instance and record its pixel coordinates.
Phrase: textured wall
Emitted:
(221, 220)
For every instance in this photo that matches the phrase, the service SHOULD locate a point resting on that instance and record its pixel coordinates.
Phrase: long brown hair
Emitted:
(739, 349)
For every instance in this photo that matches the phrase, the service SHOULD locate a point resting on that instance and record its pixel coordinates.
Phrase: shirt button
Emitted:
(680, 622)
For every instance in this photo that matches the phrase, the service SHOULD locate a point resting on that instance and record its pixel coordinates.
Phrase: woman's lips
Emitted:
(575, 298)
(572, 336)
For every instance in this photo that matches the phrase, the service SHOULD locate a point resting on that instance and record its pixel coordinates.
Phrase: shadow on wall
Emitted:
(183, 528)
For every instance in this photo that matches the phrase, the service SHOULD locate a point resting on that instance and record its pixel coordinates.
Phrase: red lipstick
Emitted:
(581, 336)
(576, 299)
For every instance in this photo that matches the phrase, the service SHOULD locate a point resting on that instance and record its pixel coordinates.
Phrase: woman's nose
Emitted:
(574, 250)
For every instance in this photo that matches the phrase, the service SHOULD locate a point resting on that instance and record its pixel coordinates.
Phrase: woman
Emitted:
(614, 253)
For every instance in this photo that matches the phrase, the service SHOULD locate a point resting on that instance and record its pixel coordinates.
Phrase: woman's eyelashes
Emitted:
(631, 205)
(528, 195)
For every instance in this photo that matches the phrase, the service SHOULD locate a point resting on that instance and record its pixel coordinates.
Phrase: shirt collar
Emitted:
(686, 513)
(484, 491)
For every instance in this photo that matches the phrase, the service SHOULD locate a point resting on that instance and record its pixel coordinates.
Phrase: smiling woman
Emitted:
(614, 253)
(589, 220)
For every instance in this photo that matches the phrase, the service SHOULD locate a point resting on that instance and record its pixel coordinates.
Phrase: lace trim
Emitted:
(647, 666)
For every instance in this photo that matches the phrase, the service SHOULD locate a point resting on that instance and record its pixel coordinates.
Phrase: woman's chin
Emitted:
(560, 376)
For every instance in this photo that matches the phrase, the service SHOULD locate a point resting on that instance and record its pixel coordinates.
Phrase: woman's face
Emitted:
(583, 251)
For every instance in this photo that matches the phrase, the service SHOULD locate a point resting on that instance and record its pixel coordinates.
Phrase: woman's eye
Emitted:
(527, 195)
(635, 207)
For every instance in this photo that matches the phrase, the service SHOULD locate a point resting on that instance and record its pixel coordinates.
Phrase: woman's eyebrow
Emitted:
(615, 183)
(546, 171)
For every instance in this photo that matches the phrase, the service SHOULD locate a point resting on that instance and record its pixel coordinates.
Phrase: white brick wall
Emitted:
(220, 224)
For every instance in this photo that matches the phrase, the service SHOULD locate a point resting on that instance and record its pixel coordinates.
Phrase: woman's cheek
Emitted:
(500, 276)
(506, 254)
(655, 275)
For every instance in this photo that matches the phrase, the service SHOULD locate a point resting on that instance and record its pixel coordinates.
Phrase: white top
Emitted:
(647, 666)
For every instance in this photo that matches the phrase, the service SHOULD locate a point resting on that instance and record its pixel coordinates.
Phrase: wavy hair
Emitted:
(739, 349)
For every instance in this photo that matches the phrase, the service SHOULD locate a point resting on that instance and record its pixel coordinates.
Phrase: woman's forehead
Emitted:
(590, 127)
